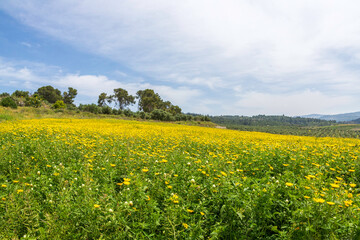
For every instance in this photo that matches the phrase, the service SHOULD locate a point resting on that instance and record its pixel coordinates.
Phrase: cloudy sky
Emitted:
(215, 57)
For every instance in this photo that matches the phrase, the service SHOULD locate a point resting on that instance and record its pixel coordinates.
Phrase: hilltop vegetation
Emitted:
(150, 104)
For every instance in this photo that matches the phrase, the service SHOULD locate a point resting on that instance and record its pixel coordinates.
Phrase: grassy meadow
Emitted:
(118, 179)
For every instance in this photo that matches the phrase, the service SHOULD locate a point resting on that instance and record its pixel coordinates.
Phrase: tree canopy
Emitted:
(122, 98)
(49, 93)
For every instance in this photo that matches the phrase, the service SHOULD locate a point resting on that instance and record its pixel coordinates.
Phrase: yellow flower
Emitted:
(190, 211)
(96, 205)
(3, 185)
(307, 197)
(185, 225)
(330, 203)
(351, 170)
(352, 185)
(169, 187)
(334, 185)
(289, 184)
(348, 203)
(319, 200)
(113, 165)
(223, 173)
(126, 183)
(145, 170)
(20, 191)
(202, 213)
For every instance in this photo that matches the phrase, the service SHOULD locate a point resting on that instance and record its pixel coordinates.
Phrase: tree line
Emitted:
(150, 104)
(263, 120)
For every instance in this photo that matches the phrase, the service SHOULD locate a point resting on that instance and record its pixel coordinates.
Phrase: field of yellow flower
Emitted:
(115, 179)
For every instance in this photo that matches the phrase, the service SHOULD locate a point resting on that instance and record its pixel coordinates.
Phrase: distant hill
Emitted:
(263, 120)
(343, 117)
(357, 121)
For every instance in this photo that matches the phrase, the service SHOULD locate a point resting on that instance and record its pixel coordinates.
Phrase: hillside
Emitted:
(343, 117)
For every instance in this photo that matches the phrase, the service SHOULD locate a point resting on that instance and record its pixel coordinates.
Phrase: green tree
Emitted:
(19, 93)
(103, 98)
(148, 100)
(4, 94)
(122, 98)
(69, 95)
(174, 109)
(49, 93)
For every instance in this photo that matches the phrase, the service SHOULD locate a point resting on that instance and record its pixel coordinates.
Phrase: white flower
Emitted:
(192, 180)
(110, 210)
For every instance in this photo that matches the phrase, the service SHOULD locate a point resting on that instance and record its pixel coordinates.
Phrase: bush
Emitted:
(8, 102)
(59, 104)
(161, 115)
(128, 113)
(33, 101)
(106, 110)
(93, 108)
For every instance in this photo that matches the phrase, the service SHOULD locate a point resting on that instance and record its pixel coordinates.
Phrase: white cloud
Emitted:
(89, 86)
(295, 104)
(268, 50)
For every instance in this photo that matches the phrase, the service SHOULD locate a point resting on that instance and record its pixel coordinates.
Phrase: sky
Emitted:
(228, 57)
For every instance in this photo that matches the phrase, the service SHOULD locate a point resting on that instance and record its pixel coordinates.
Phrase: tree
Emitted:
(123, 98)
(19, 93)
(148, 100)
(49, 93)
(4, 94)
(103, 98)
(69, 96)
(174, 109)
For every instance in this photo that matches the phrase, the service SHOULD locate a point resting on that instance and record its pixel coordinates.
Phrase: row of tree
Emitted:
(148, 101)
(150, 104)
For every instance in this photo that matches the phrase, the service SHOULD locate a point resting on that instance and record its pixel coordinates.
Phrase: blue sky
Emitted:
(211, 57)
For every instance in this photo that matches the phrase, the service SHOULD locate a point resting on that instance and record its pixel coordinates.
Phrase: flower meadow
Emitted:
(117, 179)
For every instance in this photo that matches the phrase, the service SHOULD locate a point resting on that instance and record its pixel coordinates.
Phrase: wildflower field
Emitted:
(115, 179)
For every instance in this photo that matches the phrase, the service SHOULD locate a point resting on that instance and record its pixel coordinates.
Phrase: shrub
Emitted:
(33, 101)
(93, 108)
(106, 110)
(8, 102)
(59, 104)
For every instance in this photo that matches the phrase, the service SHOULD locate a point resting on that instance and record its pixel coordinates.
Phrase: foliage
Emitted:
(33, 101)
(59, 104)
(262, 120)
(4, 94)
(148, 100)
(8, 102)
(69, 96)
(19, 93)
(122, 98)
(93, 108)
(50, 94)
(103, 97)
(110, 179)
(161, 115)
